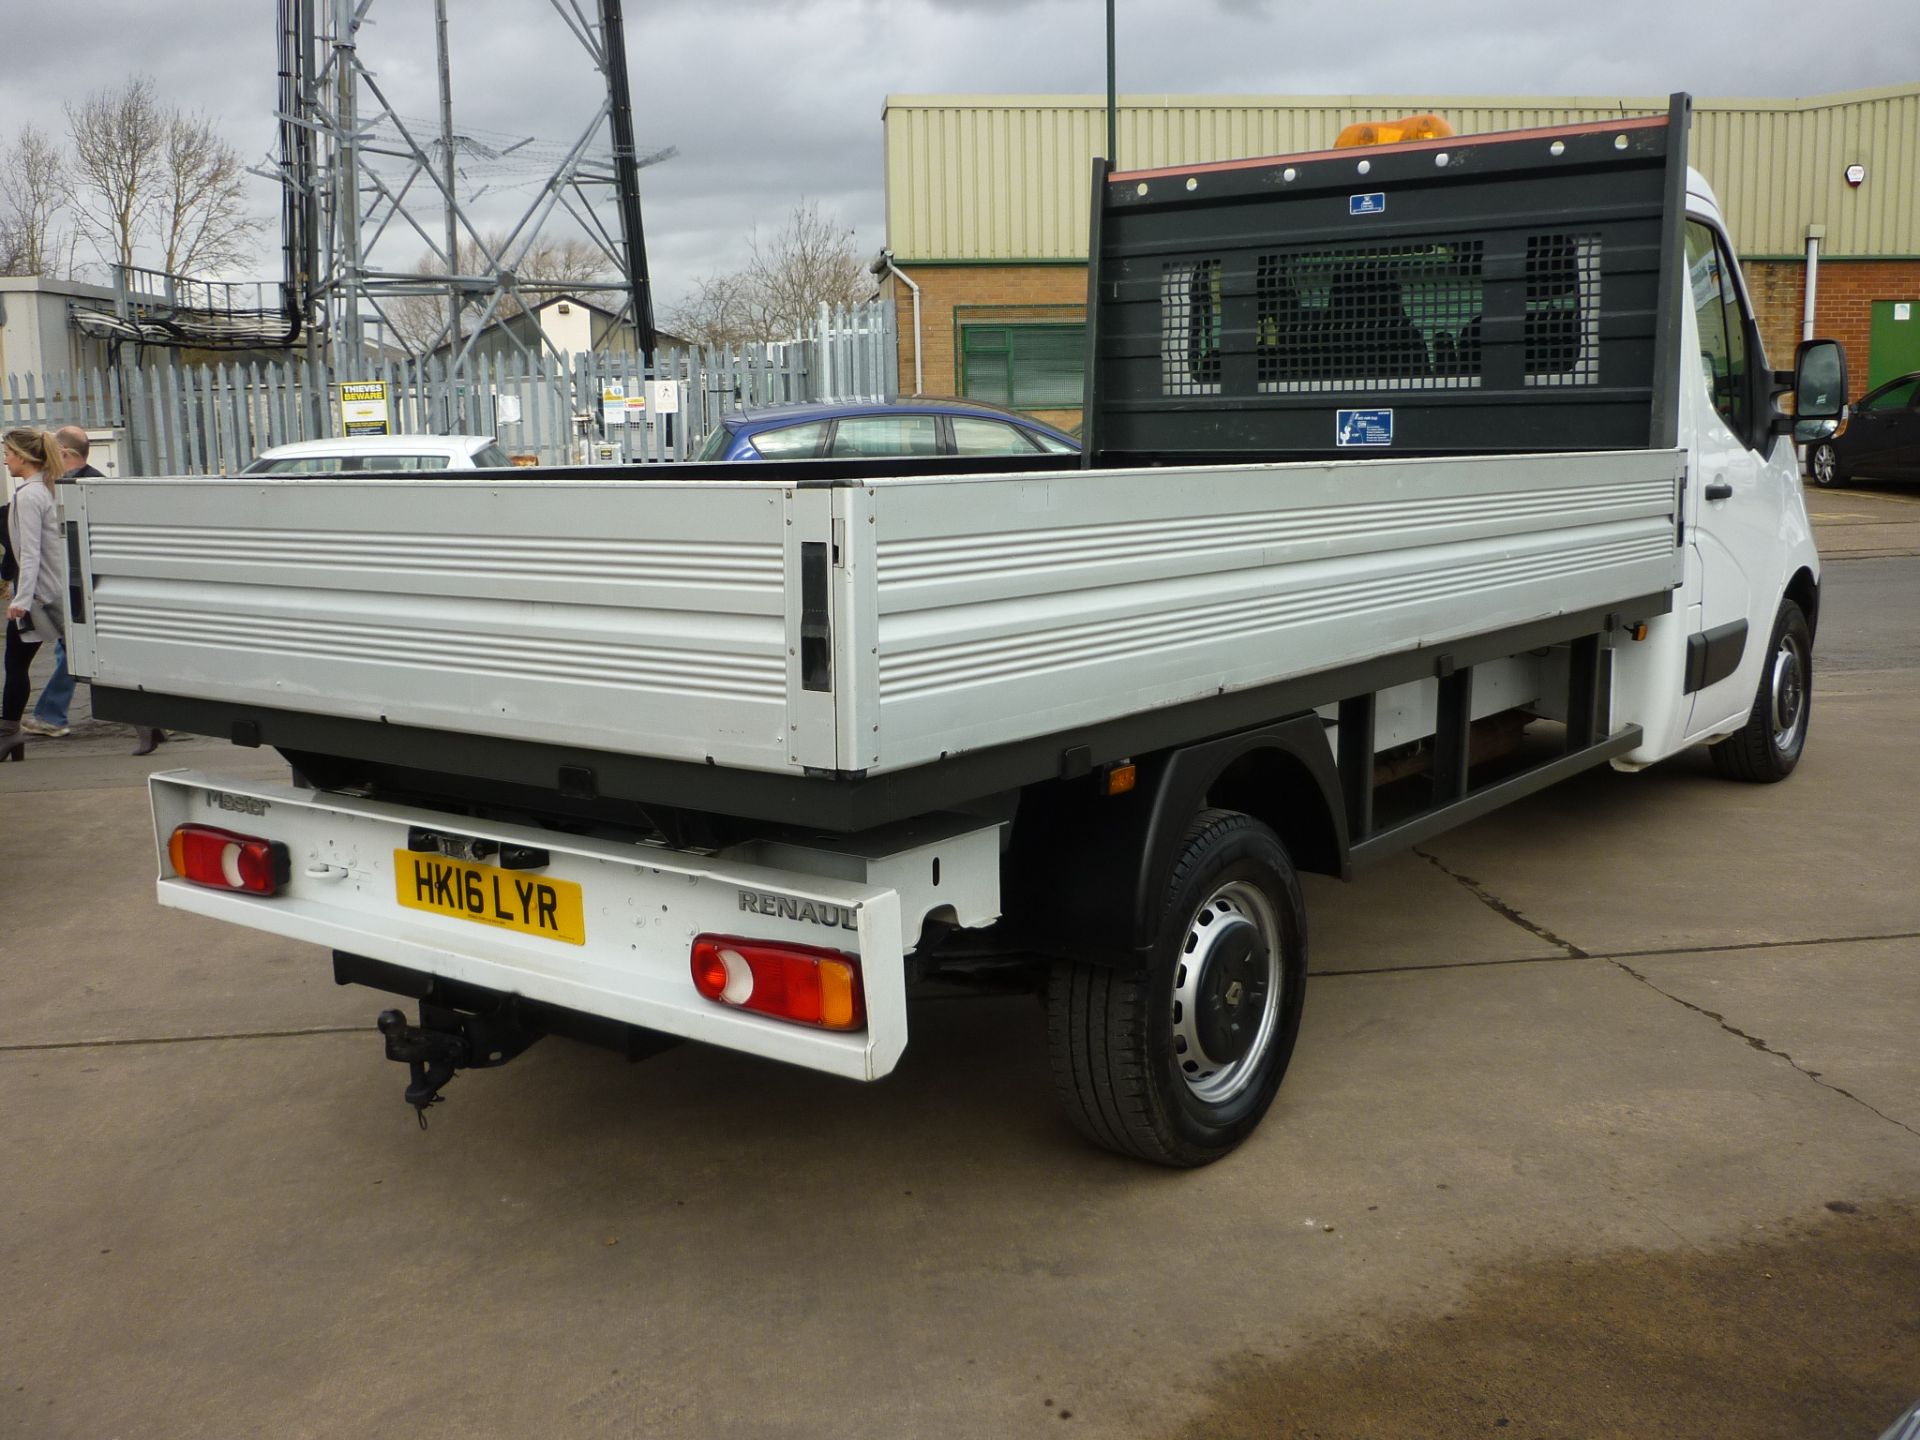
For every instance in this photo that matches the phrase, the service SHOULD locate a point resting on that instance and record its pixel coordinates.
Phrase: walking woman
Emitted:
(36, 612)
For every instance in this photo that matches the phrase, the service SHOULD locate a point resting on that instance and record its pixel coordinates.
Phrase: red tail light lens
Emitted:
(223, 860)
(802, 983)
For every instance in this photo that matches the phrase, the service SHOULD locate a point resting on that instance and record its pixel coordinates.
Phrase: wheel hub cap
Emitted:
(1225, 994)
(1788, 694)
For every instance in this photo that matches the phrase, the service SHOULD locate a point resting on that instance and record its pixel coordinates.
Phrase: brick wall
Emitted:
(943, 287)
(1843, 308)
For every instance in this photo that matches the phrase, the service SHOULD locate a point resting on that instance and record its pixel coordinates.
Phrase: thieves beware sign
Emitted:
(363, 408)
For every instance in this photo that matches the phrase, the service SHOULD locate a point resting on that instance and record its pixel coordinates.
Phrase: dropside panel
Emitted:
(639, 617)
(1017, 607)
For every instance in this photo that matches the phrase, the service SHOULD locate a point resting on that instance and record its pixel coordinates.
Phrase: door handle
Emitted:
(1719, 490)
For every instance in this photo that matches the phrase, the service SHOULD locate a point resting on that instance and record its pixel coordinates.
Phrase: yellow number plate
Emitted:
(488, 895)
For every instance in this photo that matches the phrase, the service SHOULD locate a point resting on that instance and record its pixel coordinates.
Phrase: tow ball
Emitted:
(447, 1041)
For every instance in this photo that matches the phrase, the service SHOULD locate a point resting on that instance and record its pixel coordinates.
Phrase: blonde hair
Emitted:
(40, 450)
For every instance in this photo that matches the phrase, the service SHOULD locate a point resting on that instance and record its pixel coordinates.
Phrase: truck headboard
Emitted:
(1481, 293)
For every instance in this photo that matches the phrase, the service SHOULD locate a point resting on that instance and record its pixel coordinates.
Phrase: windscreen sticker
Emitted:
(1374, 204)
(1363, 427)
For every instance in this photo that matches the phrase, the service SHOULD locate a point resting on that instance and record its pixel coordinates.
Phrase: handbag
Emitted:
(43, 623)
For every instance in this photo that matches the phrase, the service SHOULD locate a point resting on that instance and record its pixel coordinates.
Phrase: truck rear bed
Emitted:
(831, 628)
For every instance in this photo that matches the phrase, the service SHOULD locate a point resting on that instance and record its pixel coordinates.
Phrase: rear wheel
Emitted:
(1178, 1062)
(1769, 745)
(1823, 465)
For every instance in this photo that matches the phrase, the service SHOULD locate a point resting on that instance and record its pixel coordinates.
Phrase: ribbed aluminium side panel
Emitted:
(1024, 607)
(644, 618)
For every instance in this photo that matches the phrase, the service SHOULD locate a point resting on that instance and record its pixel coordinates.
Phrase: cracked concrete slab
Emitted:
(1862, 1046)
(1430, 919)
(1676, 858)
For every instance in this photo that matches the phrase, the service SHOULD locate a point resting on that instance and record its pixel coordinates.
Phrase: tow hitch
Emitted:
(446, 1041)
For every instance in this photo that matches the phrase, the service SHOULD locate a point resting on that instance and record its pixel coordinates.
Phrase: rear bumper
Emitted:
(643, 905)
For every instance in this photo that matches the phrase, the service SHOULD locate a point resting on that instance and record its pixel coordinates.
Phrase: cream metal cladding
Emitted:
(1007, 178)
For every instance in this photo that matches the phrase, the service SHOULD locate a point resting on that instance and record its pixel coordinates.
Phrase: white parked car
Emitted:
(381, 453)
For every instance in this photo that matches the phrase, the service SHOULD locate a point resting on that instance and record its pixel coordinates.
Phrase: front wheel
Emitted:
(1769, 745)
(1177, 1063)
(1823, 466)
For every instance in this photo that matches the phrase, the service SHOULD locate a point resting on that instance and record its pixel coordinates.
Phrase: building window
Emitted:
(1028, 366)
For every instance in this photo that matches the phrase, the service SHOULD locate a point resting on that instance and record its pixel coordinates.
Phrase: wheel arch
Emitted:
(1084, 873)
(1804, 591)
(1278, 786)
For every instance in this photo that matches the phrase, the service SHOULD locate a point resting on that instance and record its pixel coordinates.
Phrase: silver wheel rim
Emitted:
(1235, 938)
(1787, 695)
(1823, 465)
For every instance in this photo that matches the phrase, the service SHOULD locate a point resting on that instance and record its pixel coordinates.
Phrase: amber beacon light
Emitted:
(1393, 132)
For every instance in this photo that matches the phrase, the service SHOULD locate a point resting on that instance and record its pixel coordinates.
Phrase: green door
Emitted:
(1893, 345)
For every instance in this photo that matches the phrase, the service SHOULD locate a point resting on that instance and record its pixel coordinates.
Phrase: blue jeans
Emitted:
(51, 707)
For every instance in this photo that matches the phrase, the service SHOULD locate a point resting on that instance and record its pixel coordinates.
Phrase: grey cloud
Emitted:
(770, 100)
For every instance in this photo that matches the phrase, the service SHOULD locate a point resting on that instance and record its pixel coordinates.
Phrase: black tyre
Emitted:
(1177, 1063)
(1769, 745)
(1823, 466)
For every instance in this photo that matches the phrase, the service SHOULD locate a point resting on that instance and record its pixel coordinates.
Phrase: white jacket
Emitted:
(33, 524)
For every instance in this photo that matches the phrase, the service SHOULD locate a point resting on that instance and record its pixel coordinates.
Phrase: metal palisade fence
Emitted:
(169, 418)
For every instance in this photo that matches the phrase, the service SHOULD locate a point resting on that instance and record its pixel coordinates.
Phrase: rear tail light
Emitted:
(223, 860)
(801, 983)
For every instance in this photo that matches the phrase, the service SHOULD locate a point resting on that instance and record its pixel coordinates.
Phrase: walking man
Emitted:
(49, 715)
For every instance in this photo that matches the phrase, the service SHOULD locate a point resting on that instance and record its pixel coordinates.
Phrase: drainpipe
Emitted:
(883, 265)
(1815, 234)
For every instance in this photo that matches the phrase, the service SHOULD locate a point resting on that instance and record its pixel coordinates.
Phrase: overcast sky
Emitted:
(769, 102)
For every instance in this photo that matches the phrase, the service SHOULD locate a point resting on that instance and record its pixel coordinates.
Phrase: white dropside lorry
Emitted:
(1416, 479)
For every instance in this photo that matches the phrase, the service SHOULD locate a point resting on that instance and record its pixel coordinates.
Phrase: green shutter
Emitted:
(1028, 367)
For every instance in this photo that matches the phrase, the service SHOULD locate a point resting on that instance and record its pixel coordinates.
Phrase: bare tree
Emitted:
(119, 142)
(200, 205)
(718, 313)
(419, 322)
(33, 183)
(809, 261)
(154, 174)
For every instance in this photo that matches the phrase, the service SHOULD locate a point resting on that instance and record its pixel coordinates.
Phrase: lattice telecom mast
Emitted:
(359, 177)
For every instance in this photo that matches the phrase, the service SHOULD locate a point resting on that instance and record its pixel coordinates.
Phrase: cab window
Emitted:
(1897, 396)
(887, 435)
(1724, 362)
(988, 437)
(404, 462)
(792, 442)
(299, 465)
(715, 445)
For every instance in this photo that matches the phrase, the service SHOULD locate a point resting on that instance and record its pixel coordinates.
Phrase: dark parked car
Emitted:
(905, 427)
(1881, 439)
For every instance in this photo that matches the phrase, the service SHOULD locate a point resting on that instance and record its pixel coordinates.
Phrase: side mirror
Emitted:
(1819, 381)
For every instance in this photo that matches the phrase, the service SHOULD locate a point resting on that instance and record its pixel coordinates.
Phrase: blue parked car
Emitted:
(841, 430)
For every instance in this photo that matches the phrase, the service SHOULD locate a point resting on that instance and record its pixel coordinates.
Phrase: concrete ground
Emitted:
(1605, 1120)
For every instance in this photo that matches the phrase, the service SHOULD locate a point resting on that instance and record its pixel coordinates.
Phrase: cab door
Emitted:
(1733, 499)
